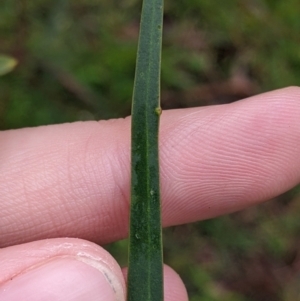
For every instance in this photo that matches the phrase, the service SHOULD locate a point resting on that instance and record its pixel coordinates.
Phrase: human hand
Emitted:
(72, 180)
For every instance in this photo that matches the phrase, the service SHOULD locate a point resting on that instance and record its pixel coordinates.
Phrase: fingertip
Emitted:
(174, 287)
(60, 269)
(229, 157)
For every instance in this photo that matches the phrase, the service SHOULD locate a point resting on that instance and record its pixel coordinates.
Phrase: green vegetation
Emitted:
(76, 61)
(145, 270)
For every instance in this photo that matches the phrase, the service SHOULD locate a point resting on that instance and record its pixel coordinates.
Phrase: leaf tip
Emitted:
(7, 64)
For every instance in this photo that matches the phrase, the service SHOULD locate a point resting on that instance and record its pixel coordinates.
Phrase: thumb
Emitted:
(59, 269)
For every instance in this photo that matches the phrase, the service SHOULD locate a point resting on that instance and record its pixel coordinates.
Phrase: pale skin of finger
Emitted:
(17, 260)
(73, 179)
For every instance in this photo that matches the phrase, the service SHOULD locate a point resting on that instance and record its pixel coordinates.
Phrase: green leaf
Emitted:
(145, 272)
(7, 64)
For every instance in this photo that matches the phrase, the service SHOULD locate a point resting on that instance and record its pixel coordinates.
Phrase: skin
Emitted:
(72, 180)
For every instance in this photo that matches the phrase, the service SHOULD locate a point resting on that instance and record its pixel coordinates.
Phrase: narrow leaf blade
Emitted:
(145, 274)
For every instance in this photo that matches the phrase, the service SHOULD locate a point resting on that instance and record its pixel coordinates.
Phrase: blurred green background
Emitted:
(76, 62)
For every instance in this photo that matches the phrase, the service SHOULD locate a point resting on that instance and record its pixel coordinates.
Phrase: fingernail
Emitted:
(60, 279)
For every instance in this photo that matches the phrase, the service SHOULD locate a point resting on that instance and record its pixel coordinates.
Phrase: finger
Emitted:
(69, 269)
(73, 179)
(174, 289)
(59, 269)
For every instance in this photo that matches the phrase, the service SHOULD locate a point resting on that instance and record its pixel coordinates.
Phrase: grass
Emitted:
(206, 47)
(145, 269)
